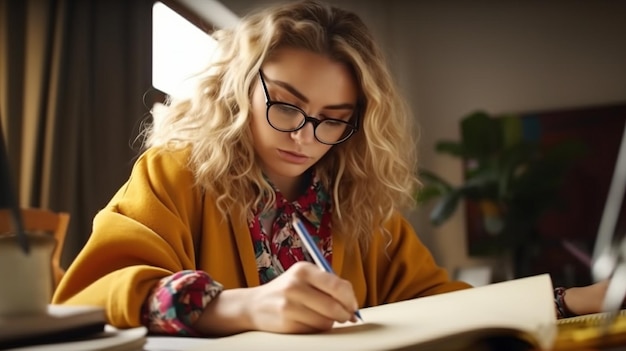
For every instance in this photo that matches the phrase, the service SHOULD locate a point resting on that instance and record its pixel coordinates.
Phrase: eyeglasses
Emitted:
(286, 117)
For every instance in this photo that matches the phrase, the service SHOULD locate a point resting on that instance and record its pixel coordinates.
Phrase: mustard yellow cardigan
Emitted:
(159, 223)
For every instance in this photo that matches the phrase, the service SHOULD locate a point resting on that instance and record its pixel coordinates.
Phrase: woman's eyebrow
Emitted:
(289, 88)
(304, 99)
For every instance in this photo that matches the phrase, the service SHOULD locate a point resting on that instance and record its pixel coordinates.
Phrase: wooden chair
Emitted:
(47, 221)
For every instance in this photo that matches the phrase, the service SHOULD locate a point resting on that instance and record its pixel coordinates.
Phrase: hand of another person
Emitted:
(586, 299)
(301, 300)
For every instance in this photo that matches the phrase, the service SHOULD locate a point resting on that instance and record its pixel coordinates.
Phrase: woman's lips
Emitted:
(292, 157)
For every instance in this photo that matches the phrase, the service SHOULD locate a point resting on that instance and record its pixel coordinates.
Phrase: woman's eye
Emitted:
(333, 123)
(286, 110)
(336, 120)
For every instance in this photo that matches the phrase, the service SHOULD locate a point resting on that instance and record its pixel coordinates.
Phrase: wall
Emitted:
(453, 57)
(502, 57)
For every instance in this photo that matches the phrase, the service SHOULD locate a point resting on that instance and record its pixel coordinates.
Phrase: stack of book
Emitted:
(67, 328)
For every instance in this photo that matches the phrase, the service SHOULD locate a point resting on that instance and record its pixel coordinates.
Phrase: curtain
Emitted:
(73, 75)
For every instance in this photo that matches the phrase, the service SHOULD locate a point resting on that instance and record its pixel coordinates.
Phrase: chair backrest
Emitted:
(54, 223)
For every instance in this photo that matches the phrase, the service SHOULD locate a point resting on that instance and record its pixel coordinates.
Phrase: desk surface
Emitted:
(134, 338)
(159, 343)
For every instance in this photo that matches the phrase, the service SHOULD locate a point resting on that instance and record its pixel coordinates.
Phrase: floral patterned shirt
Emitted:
(177, 301)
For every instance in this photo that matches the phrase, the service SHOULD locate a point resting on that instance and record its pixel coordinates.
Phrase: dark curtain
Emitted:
(73, 75)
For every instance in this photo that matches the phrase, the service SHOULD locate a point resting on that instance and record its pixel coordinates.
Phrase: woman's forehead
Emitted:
(316, 76)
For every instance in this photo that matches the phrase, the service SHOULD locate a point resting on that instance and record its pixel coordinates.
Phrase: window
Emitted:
(179, 51)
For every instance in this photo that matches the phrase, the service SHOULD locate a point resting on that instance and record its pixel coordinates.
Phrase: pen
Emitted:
(313, 250)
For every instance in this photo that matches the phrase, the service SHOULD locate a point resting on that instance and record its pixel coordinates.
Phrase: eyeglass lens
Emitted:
(287, 118)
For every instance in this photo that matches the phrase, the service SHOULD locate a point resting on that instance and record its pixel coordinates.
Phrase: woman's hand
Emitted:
(303, 299)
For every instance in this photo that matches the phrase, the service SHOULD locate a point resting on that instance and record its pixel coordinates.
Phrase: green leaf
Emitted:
(428, 193)
(434, 186)
(513, 160)
(452, 148)
(481, 135)
(482, 185)
(431, 177)
(512, 130)
(445, 207)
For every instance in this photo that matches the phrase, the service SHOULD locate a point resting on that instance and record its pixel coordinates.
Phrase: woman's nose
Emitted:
(306, 134)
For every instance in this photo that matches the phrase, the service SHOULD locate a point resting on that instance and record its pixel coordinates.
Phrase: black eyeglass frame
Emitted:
(352, 128)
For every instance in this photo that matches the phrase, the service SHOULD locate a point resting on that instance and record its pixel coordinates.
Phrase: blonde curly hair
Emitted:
(370, 176)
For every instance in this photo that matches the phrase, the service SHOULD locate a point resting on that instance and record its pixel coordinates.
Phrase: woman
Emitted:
(298, 115)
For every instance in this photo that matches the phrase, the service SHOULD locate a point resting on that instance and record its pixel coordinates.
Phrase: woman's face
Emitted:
(321, 87)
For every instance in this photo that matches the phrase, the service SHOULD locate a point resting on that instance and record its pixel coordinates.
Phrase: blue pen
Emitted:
(313, 250)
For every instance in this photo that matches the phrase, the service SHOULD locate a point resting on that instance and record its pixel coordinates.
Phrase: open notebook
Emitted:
(512, 315)
(503, 316)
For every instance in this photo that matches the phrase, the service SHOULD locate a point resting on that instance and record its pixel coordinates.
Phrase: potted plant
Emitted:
(510, 181)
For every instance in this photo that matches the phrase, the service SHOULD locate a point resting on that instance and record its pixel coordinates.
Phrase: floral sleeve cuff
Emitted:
(177, 301)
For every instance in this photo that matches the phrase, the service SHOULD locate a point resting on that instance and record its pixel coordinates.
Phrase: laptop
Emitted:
(609, 256)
